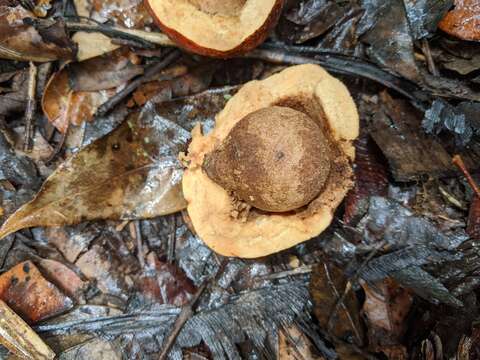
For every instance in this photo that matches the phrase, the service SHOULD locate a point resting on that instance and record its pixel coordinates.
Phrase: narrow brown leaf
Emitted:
(131, 173)
(19, 338)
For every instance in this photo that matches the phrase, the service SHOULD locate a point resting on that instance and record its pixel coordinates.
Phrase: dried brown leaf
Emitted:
(104, 72)
(131, 173)
(91, 45)
(463, 21)
(20, 41)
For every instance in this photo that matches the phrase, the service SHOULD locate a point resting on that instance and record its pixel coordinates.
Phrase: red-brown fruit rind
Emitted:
(247, 45)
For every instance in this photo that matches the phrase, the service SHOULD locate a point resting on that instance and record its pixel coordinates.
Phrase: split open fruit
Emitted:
(276, 166)
(219, 28)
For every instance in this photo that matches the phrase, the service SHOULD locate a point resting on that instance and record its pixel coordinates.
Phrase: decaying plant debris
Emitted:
(99, 258)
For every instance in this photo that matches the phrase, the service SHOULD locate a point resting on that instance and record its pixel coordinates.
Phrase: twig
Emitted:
(351, 281)
(30, 109)
(172, 239)
(428, 55)
(138, 238)
(348, 66)
(458, 161)
(342, 304)
(147, 39)
(58, 148)
(149, 73)
(187, 311)
(282, 274)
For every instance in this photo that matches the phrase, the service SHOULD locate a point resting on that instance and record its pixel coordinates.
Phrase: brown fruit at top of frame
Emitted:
(217, 28)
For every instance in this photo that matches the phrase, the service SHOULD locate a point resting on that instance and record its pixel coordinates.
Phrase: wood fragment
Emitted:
(19, 338)
(30, 109)
(428, 57)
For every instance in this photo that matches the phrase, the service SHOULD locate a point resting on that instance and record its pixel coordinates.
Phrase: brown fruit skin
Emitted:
(247, 45)
(275, 159)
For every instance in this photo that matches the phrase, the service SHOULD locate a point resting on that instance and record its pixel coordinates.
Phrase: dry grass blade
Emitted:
(19, 338)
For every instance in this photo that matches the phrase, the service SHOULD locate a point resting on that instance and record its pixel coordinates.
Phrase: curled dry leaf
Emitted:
(463, 21)
(131, 173)
(20, 41)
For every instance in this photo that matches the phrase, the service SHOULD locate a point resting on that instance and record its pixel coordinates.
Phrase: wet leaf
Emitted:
(63, 277)
(132, 173)
(16, 168)
(371, 178)
(461, 120)
(166, 283)
(14, 98)
(463, 21)
(391, 45)
(308, 20)
(424, 15)
(30, 295)
(386, 308)
(21, 41)
(128, 13)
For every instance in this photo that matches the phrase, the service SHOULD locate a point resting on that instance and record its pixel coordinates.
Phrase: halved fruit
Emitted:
(230, 219)
(218, 28)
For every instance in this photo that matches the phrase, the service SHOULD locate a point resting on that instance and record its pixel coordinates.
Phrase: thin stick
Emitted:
(148, 39)
(30, 110)
(172, 240)
(428, 55)
(282, 274)
(342, 304)
(138, 236)
(187, 311)
(458, 161)
(351, 281)
(147, 76)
